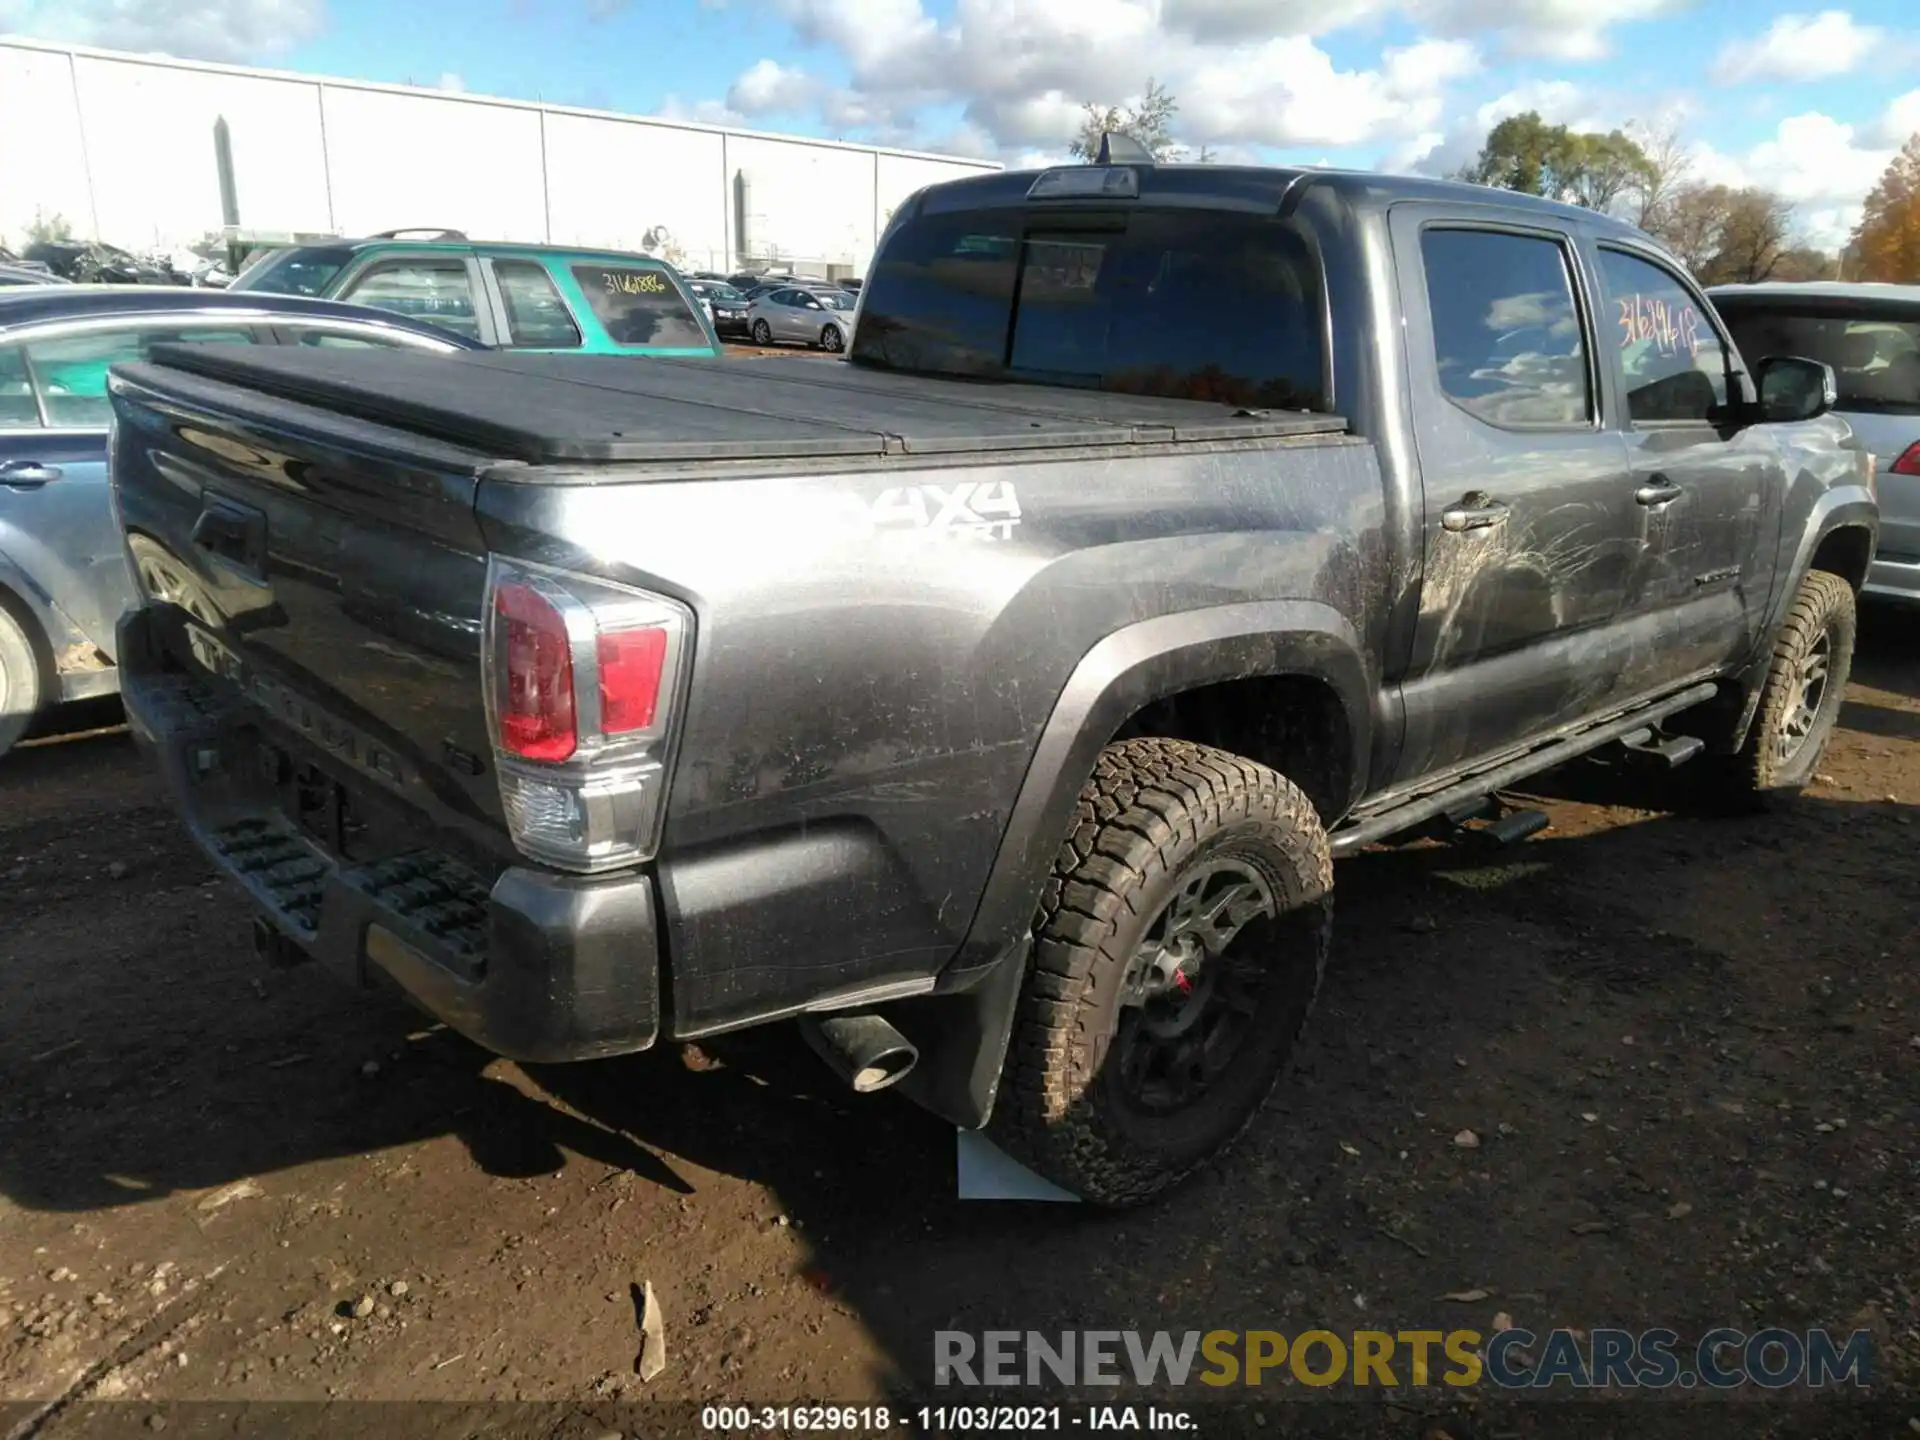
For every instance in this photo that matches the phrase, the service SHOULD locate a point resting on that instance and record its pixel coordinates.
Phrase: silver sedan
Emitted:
(811, 316)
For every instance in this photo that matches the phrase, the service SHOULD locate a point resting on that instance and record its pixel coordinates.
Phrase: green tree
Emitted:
(48, 227)
(1525, 153)
(1148, 122)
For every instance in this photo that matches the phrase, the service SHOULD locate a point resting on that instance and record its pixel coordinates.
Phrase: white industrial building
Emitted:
(122, 147)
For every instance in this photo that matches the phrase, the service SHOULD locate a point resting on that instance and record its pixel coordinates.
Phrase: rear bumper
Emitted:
(531, 964)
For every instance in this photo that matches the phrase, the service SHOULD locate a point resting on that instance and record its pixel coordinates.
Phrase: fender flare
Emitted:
(962, 1032)
(1843, 507)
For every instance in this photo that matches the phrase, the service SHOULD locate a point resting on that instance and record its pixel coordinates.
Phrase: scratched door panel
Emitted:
(1711, 494)
(1532, 537)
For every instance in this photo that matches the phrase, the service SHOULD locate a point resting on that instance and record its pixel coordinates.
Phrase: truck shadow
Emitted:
(1482, 993)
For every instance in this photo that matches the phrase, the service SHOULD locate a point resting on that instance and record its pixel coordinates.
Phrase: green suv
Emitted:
(521, 297)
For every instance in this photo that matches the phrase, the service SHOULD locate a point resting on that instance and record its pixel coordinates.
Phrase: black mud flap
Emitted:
(962, 1039)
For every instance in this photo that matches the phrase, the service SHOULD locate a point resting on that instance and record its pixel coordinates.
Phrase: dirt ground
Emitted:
(1688, 1049)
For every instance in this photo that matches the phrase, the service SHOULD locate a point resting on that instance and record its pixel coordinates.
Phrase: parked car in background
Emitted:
(789, 314)
(11, 274)
(516, 297)
(1870, 336)
(20, 262)
(93, 262)
(63, 572)
(726, 306)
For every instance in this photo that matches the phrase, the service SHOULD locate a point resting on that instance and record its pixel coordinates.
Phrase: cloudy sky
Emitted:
(1813, 102)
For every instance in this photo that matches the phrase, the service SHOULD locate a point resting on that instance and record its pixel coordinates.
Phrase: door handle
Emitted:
(1477, 511)
(235, 533)
(27, 474)
(1657, 491)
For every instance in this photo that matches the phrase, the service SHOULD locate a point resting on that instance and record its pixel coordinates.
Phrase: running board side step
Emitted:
(1461, 795)
(1672, 751)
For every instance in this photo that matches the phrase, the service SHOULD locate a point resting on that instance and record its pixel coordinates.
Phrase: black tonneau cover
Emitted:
(544, 408)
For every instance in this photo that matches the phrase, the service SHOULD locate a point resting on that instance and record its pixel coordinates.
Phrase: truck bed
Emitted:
(549, 409)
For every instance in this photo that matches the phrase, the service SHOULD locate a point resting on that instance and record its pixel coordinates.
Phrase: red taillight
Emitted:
(1909, 463)
(631, 662)
(536, 708)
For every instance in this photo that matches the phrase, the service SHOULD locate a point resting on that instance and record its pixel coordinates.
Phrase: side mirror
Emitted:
(1792, 388)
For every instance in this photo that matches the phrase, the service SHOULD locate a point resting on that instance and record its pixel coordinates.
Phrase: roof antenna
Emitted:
(1119, 148)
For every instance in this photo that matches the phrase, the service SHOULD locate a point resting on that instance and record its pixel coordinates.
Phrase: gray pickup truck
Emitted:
(996, 700)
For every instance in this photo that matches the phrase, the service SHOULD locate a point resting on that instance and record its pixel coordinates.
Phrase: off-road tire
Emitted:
(20, 680)
(1823, 610)
(762, 333)
(1154, 811)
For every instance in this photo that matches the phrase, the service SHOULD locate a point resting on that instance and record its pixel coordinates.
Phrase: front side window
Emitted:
(70, 372)
(1875, 357)
(640, 307)
(1672, 357)
(1507, 336)
(437, 291)
(1196, 305)
(537, 318)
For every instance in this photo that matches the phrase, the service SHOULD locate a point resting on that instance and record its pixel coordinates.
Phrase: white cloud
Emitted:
(1814, 157)
(1901, 122)
(1021, 71)
(452, 80)
(1565, 29)
(701, 112)
(1442, 152)
(1799, 47)
(772, 88)
(236, 31)
(1813, 160)
(1550, 29)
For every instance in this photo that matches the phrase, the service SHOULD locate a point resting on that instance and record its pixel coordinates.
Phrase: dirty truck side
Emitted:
(997, 700)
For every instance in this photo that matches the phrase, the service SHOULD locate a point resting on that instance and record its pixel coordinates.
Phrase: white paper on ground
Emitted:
(986, 1172)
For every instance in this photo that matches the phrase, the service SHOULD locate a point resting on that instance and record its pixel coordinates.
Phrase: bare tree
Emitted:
(1728, 236)
(1667, 166)
(1755, 237)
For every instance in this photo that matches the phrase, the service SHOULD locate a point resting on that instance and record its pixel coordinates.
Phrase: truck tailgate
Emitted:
(320, 576)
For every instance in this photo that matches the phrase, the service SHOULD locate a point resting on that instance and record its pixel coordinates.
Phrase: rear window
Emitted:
(1194, 305)
(294, 272)
(1875, 358)
(636, 306)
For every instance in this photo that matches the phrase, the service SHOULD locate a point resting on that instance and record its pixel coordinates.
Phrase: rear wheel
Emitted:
(830, 339)
(19, 680)
(1178, 950)
(1805, 687)
(762, 333)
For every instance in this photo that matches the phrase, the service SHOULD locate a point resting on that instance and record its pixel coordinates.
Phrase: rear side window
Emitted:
(438, 291)
(1669, 351)
(537, 318)
(640, 307)
(70, 371)
(1875, 355)
(1507, 336)
(1188, 304)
